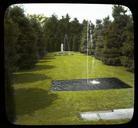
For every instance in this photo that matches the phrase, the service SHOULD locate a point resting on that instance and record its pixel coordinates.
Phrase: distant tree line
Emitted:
(55, 31)
(28, 38)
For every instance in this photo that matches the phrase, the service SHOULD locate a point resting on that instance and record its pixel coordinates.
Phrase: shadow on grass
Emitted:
(10, 104)
(44, 61)
(43, 67)
(28, 78)
(48, 58)
(38, 68)
(27, 101)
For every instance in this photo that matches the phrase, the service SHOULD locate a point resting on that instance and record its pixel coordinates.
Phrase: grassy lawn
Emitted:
(36, 104)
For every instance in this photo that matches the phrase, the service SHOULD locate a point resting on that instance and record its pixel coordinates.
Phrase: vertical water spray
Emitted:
(93, 60)
(87, 47)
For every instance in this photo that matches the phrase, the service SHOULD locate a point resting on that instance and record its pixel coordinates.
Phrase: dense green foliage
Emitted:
(62, 31)
(83, 45)
(11, 31)
(29, 37)
(113, 40)
(86, 45)
(24, 45)
(98, 39)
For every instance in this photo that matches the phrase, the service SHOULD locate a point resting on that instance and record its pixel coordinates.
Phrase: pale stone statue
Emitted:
(62, 47)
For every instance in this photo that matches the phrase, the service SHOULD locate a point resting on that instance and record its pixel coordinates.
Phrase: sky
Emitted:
(79, 11)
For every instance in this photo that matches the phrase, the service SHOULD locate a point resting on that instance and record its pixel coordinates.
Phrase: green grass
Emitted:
(36, 104)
